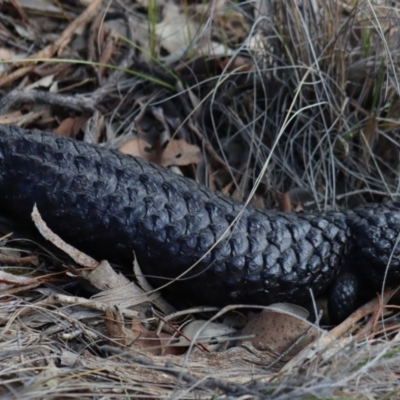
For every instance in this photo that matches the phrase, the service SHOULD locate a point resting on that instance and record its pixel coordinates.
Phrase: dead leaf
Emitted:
(117, 289)
(177, 152)
(41, 7)
(79, 257)
(56, 47)
(6, 54)
(211, 333)
(284, 201)
(146, 339)
(68, 358)
(279, 333)
(369, 136)
(158, 344)
(114, 322)
(93, 128)
(168, 345)
(104, 277)
(176, 31)
(70, 127)
(50, 375)
(8, 279)
(44, 82)
(136, 148)
(17, 118)
(17, 260)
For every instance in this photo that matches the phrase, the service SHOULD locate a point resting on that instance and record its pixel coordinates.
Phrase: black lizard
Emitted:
(109, 205)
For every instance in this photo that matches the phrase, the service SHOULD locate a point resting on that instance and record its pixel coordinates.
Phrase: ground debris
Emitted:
(293, 97)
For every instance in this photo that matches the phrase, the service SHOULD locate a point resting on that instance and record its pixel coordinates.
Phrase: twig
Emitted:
(15, 97)
(80, 301)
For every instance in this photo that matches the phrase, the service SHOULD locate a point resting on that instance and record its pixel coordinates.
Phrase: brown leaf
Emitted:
(70, 127)
(168, 347)
(276, 332)
(156, 344)
(369, 136)
(136, 147)
(180, 152)
(177, 152)
(284, 202)
(145, 339)
(115, 327)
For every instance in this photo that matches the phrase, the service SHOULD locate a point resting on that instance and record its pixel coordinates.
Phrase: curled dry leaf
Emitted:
(279, 333)
(116, 289)
(79, 257)
(117, 333)
(177, 152)
(285, 204)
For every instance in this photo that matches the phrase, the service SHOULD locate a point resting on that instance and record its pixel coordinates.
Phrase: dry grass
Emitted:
(40, 358)
(300, 97)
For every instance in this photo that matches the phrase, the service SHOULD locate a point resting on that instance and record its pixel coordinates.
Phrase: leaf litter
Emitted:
(207, 88)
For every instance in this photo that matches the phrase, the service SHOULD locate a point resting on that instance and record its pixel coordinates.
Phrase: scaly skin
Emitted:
(110, 205)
